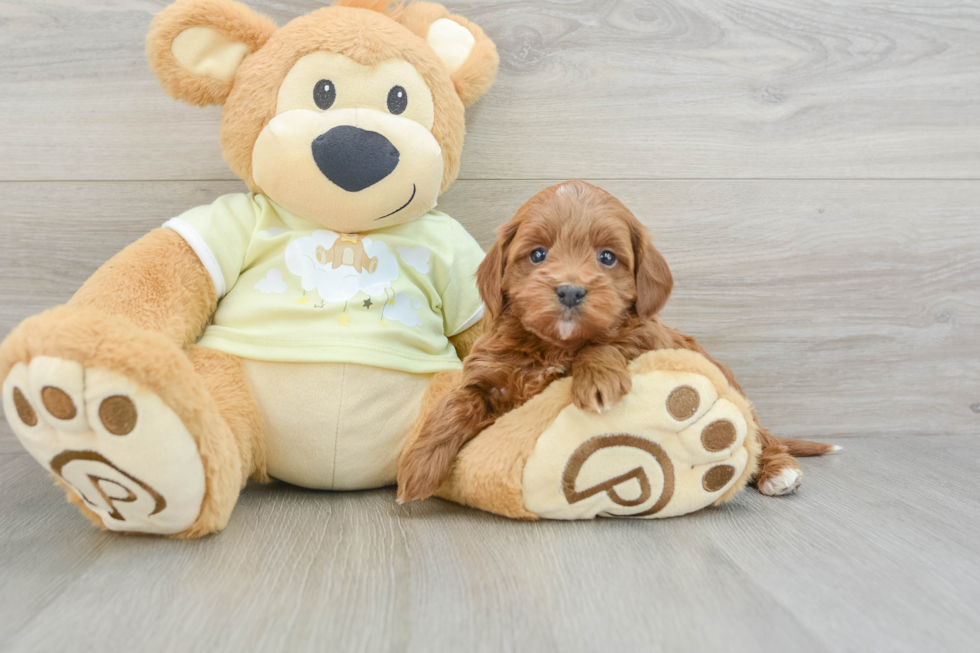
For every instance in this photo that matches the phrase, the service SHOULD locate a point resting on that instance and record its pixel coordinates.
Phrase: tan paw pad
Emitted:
(124, 452)
(670, 447)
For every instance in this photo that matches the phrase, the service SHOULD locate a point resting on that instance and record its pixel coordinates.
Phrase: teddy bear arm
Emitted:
(158, 283)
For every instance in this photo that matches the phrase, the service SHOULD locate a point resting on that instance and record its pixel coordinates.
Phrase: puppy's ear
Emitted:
(196, 46)
(653, 278)
(467, 52)
(490, 274)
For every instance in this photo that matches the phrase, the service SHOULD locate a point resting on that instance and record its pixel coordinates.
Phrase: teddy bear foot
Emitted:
(680, 441)
(117, 446)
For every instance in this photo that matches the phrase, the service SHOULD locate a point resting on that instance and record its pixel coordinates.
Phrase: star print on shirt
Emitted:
(367, 303)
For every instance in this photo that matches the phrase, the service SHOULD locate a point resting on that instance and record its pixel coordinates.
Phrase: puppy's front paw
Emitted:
(597, 389)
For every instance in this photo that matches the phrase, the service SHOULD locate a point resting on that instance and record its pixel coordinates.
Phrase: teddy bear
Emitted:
(302, 330)
(348, 249)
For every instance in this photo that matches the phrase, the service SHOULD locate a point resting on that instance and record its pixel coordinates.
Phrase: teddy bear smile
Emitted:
(388, 215)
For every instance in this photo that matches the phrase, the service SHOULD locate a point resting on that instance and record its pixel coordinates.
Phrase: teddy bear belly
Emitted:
(334, 426)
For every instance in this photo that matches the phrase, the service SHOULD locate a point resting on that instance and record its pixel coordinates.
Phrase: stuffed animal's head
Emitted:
(350, 117)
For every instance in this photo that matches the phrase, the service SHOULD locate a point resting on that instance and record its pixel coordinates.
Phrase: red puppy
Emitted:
(573, 286)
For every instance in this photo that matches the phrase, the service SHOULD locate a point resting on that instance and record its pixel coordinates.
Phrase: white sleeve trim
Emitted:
(202, 250)
(470, 322)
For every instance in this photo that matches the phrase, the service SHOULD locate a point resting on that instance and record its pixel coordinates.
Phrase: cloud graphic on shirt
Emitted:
(343, 283)
(401, 310)
(417, 257)
(272, 232)
(272, 283)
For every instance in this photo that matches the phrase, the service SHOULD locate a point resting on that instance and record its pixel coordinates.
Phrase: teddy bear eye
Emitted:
(607, 258)
(324, 94)
(539, 255)
(397, 100)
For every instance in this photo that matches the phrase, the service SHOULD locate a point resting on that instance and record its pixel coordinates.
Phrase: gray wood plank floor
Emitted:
(876, 553)
(591, 88)
(812, 172)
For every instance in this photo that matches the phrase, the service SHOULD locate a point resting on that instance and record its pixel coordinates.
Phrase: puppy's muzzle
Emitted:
(354, 158)
(570, 296)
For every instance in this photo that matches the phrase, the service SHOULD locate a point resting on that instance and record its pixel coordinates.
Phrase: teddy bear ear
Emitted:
(196, 46)
(467, 52)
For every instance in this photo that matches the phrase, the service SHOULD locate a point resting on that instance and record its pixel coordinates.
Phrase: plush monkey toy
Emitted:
(300, 331)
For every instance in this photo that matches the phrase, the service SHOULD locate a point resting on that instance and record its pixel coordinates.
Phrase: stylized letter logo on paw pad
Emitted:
(91, 474)
(596, 444)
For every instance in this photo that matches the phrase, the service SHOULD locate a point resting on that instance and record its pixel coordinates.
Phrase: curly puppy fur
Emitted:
(593, 244)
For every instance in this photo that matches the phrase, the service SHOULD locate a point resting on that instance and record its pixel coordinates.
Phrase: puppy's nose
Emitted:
(354, 158)
(570, 296)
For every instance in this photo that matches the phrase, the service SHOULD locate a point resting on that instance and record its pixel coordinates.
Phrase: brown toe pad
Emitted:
(24, 409)
(718, 435)
(716, 477)
(118, 414)
(683, 402)
(58, 402)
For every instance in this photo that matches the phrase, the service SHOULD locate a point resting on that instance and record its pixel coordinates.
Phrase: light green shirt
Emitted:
(292, 291)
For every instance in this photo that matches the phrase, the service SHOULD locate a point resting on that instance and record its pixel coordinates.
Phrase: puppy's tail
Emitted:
(805, 448)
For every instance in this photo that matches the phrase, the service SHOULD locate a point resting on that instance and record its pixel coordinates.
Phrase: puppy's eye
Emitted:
(397, 100)
(539, 255)
(607, 258)
(324, 94)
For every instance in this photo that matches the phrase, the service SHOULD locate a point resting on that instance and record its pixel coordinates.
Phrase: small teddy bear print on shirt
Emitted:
(339, 266)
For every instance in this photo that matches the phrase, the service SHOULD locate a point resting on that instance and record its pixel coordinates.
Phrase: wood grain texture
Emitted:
(851, 563)
(592, 88)
(845, 308)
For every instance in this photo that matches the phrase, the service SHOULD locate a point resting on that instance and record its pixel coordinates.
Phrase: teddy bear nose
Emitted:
(354, 158)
